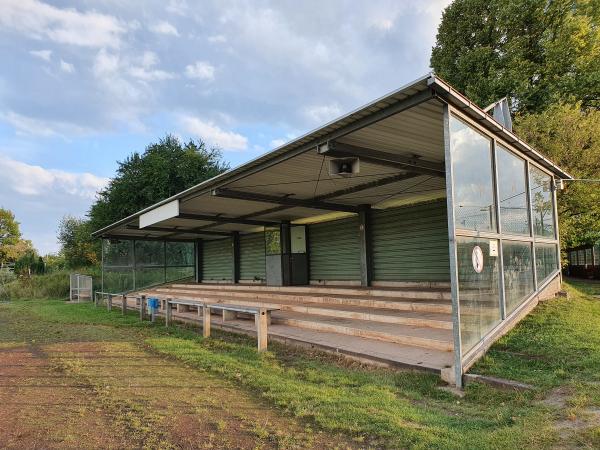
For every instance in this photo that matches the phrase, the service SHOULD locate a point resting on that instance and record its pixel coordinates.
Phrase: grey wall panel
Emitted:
(334, 250)
(410, 243)
(217, 260)
(252, 256)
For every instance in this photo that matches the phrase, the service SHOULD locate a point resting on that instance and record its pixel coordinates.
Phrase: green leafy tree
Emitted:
(162, 170)
(77, 245)
(570, 136)
(535, 52)
(12, 247)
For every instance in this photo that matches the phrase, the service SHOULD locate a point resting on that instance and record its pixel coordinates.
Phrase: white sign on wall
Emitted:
(477, 259)
(164, 212)
(494, 248)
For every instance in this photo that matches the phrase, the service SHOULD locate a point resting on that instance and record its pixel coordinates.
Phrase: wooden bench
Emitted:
(262, 316)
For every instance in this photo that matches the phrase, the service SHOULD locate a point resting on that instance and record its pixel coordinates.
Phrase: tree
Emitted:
(164, 169)
(571, 138)
(535, 52)
(77, 244)
(11, 246)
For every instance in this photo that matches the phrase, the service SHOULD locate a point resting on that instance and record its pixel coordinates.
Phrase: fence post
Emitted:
(96, 299)
(124, 304)
(142, 307)
(205, 321)
(109, 302)
(168, 313)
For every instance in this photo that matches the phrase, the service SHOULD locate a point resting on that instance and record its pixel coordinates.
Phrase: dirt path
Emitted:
(117, 395)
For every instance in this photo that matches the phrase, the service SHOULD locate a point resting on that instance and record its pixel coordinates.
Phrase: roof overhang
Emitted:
(398, 139)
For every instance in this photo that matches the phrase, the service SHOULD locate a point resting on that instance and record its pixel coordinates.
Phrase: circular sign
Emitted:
(477, 259)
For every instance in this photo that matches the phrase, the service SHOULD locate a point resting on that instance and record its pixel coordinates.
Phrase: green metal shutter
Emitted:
(217, 259)
(410, 243)
(252, 256)
(334, 250)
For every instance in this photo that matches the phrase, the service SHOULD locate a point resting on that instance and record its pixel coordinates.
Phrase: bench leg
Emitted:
(261, 328)
(143, 307)
(123, 305)
(169, 313)
(229, 315)
(205, 321)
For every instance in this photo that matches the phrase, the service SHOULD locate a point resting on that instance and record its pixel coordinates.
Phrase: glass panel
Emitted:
(149, 276)
(518, 273)
(473, 188)
(149, 253)
(117, 280)
(117, 253)
(545, 261)
(588, 256)
(580, 257)
(180, 254)
(597, 255)
(541, 203)
(478, 286)
(512, 188)
(178, 273)
(273, 241)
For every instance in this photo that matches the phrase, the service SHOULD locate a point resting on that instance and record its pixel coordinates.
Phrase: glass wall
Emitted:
(546, 261)
(504, 226)
(518, 273)
(473, 182)
(512, 189)
(134, 264)
(479, 288)
(541, 203)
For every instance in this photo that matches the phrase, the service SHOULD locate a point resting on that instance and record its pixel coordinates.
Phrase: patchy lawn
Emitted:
(109, 381)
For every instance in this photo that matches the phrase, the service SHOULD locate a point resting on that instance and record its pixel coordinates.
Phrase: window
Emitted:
(588, 257)
(512, 188)
(472, 172)
(546, 262)
(273, 241)
(518, 273)
(541, 203)
(581, 257)
(478, 285)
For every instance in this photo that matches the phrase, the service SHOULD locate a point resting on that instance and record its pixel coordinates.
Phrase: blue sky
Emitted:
(85, 83)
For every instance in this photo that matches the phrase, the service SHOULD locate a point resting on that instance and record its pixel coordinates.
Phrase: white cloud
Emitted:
(164, 27)
(277, 143)
(200, 70)
(30, 180)
(41, 21)
(217, 39)
(42, 54)
(211, 133)
(320, 114)
(31, 126)
(179, 7)
(66, 67)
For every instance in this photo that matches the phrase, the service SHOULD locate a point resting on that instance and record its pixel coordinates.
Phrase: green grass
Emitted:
(556, 347)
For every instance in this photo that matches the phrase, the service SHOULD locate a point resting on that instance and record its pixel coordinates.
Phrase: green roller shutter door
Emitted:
(217, 260)
(252, 256)
(410, 243)
(334, 250)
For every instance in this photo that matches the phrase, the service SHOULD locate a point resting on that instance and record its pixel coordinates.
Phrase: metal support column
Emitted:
(198, 260)
(452, 252)
(499, 225)
(531, 224)
(366, 257)
(235, 264)
(286, 251)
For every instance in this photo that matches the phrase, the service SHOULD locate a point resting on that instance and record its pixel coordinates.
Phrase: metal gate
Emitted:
(410, 243)
(217, 260)
(252, 257)
(334, 250)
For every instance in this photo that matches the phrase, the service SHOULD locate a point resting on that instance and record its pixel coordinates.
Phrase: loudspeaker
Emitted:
(344, 167)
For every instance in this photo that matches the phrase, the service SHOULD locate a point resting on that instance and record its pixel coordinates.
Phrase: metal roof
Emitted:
(405, 123)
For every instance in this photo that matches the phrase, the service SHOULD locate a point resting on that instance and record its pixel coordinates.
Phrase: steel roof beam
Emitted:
(284, 201)
(179, 230)
(414, 164)
(222, 219)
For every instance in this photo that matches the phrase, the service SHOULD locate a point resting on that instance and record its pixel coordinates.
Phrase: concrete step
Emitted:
(399, 304)
(425, 292)
(383, 315)
(400, 334)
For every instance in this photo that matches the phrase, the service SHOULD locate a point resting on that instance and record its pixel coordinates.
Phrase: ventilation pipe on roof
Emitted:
(500, 111)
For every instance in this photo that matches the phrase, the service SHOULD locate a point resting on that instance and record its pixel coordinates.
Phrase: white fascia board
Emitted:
(163, 212)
